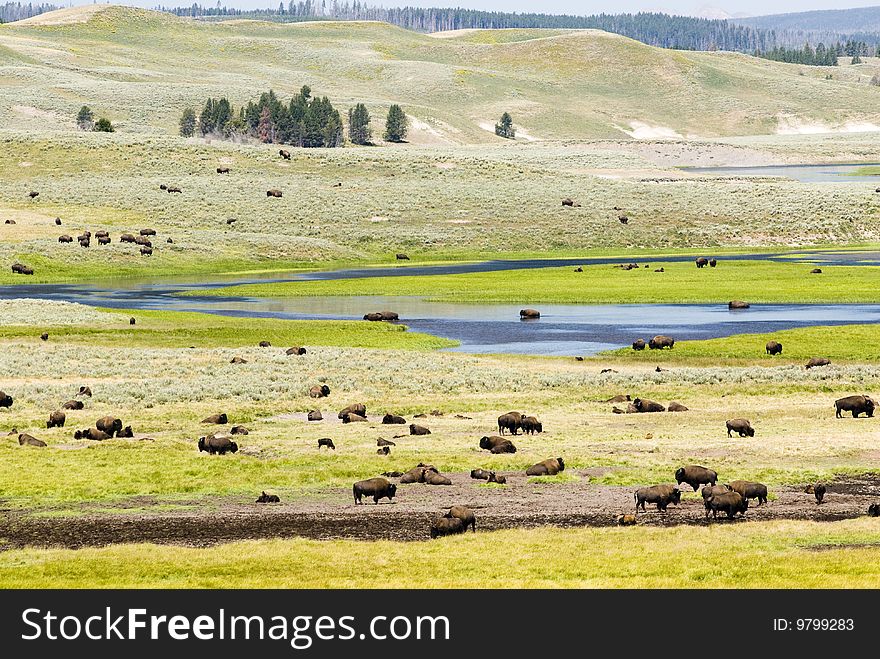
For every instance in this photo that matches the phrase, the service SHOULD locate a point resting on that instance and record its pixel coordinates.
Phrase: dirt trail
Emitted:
(333, 514)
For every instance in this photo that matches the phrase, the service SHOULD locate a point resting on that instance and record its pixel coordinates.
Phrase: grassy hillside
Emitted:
(141, 68)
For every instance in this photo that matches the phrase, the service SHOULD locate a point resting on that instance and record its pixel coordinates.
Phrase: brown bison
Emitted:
(295, 350)
(702, 262)
(274, 193)
(126, 432)
(173, 188)
(855, 404)
(223, 170)
(695, 475)
(712, 263)
(284, 154)
(639, 344)
(355, 408)
(384, 442)
(146, 251)
(465, 514)
(92, 433)
(391, 419)
(402, 257)
(529, 314)
(315, 415)
(625, 520)
(549, 467)
(239, 430)
(816, 271)
(496, 444)
(480, 474)
(434, 477)
(132, 321)
(711, 490)
(71, 405)
(676, 407)
(415, 429)
(619, 398)
(511, 421)
(740, 426)
(65, 239)
(378, 488)
(730, 503)
(267, 498)
(383, 450)
(58, 221)
(238, 360)
(29, 440)
(143, 241)
(377, 316)
(818, 361)
(774, 348)
(326, 441)
(643, 405)
(127, 238)
(874, 510)
(221, 444)
(659, 342)
(102, 233)
(661, 495)
(145, 232)
(44, 336)
(351, 417)
(33, 194)
(530, 425)
(568, 202)
(109, 424)
(738, 304)
(56, 420)
(443, 526)
(416, 474)
(750, 490)
(818, 490)
(320, 391)
(104, 240)
(265, 344)
(217, 419)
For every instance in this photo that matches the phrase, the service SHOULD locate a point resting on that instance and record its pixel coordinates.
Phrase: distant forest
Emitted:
(15, 11)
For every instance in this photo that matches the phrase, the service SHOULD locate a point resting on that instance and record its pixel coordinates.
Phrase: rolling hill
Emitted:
(141, 68)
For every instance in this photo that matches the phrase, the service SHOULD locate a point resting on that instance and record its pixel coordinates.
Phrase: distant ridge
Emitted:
(850, 21)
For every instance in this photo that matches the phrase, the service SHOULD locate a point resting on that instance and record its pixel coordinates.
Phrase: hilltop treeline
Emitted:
(305, 121)
(15, 11)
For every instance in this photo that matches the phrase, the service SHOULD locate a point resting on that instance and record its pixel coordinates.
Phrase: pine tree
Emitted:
(359, 131)
(103, 125)
(395, 124)
(264, 127)
(856, 59)
(188, 123)
(505, 127)
(85, 119)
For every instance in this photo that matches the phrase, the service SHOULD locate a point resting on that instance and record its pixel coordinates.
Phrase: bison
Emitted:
(619, 398)
(549, 467)
(695, 475)
(351, 417)
(223, 170)
(639, 344)
(818, 361)
(711, 490)
(434, 477)
(284, 154)
(85, 391)
(274, 193)
(740, 426)
(644, 405)
(625, 520)
(92, 433)
(69, 405)
(480, 474)
(415, 429)
(676, 407)
(738, 304)
(239, 430)
(495, 444)
(221, 444)
(355, 408)
(529, 314)
(265, 344)
(816, 271)
(384, 442)
(661, 495)
(383, 450)
(320, 391)
(530, 425)
(173, 188)
(295, 350)
(217, 419)
(378, 316)
(267, 498)
(774, 348)
(326, 441)
(443, 526)
(238, 360)
(730, 503)
(56, 420)
(29, 440)
(874, 510)
(712, 263)
(378, 488)
(511, 421)
(109, 424)
(659, 342)
(702, 262)
(127, 238)
(391, 419)
(315, 415)
(855, 404)
(818, 490)
(465, 514)
(65, 239)
(402, 257)
(750, 490)
(146, 251)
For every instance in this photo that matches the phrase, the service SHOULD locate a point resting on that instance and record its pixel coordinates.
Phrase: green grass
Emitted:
(169, 329)
(752, 281)
(745, 555)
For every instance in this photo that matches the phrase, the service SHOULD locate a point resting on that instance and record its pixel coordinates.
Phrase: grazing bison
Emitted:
(855, 404)
(102, 234)
(443, 526)
(549, 467)
(402, 257)
(774, 348)
(711, 490)
(378, 488)
(65, 239)
(567, 202)
(529, 314)
(659, 342)
(695, 475)
(750, 490)
(377, 316)
(84, 242)
(56, 420)
(465, 514)
(625, 520)
(85, 391)
(415, 429)
(284, 154)
(146, 251)
(355, 408)
(239, 430)
(818, 361)
(530, 425)
(645, 406)
(315, 415)
(295, 350)
(730, 503)
(702, 262)
(274, 193)
(29, 440)
(738, 304)
(127, 238)
(109, 424)
(320, 391)
(511, 421)
(265, 344)
(497, 444)
(221, 444)
(384, 442)
(740, 426)
(33, 194)
(639, 344)
(661, 495)
(104, 240)
(266, 498)
(326, 441)
(383, 450)
(146, 232)
(391, 419)
(712, 263)
(623, 219)
(92, 433)
(217, 419)
(69, 405)
(676, 407)
(238, 360)
(44, 336)
(223, 170)
(351, 417)
(818, 490)
(816, 271)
